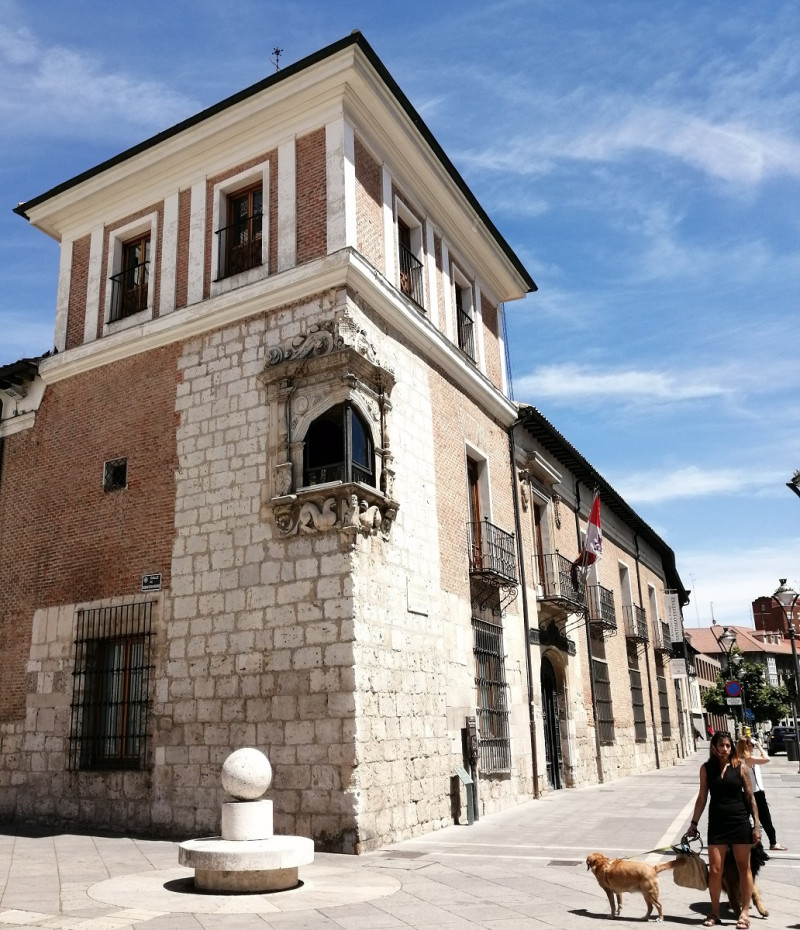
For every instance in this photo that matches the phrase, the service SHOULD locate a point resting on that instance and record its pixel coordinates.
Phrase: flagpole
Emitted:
(590, 658)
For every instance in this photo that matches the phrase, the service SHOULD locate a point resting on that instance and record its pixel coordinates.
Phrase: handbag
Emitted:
(690, 870)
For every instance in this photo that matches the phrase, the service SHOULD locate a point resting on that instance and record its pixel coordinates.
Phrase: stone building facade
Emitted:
(271, 491)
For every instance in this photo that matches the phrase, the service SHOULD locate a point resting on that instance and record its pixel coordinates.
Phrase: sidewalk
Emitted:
(524, 868)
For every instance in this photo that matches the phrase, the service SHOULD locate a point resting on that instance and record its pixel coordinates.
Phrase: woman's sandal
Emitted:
(743, 923)
(712, 920)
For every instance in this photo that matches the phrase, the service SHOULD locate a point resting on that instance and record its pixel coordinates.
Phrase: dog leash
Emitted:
(683, 847)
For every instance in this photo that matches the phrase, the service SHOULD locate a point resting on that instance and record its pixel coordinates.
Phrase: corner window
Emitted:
(108, 728)
(339, 447)
(129, 288)
(240, 241)
(410, 253)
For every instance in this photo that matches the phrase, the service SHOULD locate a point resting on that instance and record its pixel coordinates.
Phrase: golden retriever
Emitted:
(616, 876)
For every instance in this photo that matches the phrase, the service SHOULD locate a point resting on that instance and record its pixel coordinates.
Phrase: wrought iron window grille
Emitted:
(111, 678)
(492, 696)
(115, 475)
(637, 700)
(129, 291)
(605, 709)
(240, 246)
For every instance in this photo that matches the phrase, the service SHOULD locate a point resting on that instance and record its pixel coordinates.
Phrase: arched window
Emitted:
(339, 447)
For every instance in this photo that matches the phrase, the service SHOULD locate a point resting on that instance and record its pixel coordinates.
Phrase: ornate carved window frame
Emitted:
(332, 362)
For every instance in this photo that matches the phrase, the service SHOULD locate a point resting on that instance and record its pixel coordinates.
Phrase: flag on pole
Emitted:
(592, 548)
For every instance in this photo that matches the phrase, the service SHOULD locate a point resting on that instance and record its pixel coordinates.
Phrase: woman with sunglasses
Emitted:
(746, 749)
(732, 821)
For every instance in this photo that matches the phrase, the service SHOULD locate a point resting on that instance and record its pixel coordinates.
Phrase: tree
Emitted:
(765, 701)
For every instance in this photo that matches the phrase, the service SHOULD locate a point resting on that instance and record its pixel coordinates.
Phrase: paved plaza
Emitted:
(520, 869)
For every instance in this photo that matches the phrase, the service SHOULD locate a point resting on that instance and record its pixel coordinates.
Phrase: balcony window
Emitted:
(465, 314)
(410, 254)
(339, 447)
(240, 241)
(130, 287)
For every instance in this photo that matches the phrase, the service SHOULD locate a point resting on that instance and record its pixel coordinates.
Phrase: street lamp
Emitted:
(726, 641)
(786, 599)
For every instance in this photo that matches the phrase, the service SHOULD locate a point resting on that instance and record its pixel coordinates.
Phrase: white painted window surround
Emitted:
(222, 191)
(116, 240)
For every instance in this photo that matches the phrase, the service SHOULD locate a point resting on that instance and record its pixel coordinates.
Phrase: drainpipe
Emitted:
(646, 659)
(589, 642)
(512, 449)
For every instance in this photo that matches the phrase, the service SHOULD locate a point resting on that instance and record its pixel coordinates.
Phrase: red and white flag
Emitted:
(592, 549)
(593, 546)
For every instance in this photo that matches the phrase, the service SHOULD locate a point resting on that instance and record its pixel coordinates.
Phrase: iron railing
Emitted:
(129, 291)
(662, 641)
(492, 551)
(466, 332)
(492, 694)
(108, 727)
(635, 623)
(239, 246)
(559, 580)
(601, 606)
(411, 281)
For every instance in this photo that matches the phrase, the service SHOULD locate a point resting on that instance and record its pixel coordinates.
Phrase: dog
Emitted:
(616, 876)
(730, 878)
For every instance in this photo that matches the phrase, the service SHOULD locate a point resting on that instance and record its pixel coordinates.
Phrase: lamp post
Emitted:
(786, 599)
(726, 641)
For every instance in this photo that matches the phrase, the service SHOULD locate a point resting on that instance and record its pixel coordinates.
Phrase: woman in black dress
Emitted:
(732, 821)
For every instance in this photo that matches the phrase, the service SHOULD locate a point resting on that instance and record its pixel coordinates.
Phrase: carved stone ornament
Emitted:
(333, 361)
(351, 509)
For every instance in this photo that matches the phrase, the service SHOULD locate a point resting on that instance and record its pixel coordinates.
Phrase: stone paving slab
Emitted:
(523, 868)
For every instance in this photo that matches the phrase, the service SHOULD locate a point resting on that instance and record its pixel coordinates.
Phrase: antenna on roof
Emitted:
(276, 57)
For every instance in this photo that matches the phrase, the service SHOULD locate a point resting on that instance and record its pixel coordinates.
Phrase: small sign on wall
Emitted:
(151, 582)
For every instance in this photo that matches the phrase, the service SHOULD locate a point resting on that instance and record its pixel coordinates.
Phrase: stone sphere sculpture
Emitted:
(246, 774)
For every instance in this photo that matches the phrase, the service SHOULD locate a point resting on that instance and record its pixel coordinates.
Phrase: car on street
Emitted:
(777, 739)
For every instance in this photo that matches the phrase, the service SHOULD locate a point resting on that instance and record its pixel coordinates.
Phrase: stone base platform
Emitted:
(250, 866)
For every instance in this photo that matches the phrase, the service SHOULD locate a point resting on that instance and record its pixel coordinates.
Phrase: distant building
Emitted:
(271, 491)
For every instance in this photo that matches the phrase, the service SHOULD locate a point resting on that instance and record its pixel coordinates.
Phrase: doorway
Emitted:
(552, 729)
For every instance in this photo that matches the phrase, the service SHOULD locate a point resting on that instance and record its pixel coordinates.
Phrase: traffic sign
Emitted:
(730, 701)
(733, 689)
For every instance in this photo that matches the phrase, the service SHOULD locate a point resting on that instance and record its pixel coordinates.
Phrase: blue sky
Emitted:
(643, 160)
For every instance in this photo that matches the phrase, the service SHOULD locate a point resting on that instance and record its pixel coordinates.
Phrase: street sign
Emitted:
(733, 689)
(730, 700)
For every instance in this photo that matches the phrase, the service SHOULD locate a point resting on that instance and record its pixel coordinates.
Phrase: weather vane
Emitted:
(276, 57)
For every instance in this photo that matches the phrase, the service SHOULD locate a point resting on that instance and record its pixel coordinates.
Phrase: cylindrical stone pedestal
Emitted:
(247, 820)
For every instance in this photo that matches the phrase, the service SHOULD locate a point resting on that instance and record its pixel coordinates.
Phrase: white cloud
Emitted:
(733, 579)
(571, 382)
(690, 481)
(43, 87)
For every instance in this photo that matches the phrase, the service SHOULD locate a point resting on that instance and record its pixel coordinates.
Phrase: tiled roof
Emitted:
(704, 640)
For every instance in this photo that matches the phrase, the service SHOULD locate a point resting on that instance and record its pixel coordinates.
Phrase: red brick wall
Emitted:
(456, 421)
(369, 206)
(182, 270)
(79, 277)
(491, 347)
(312, 194)
(71, 540)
